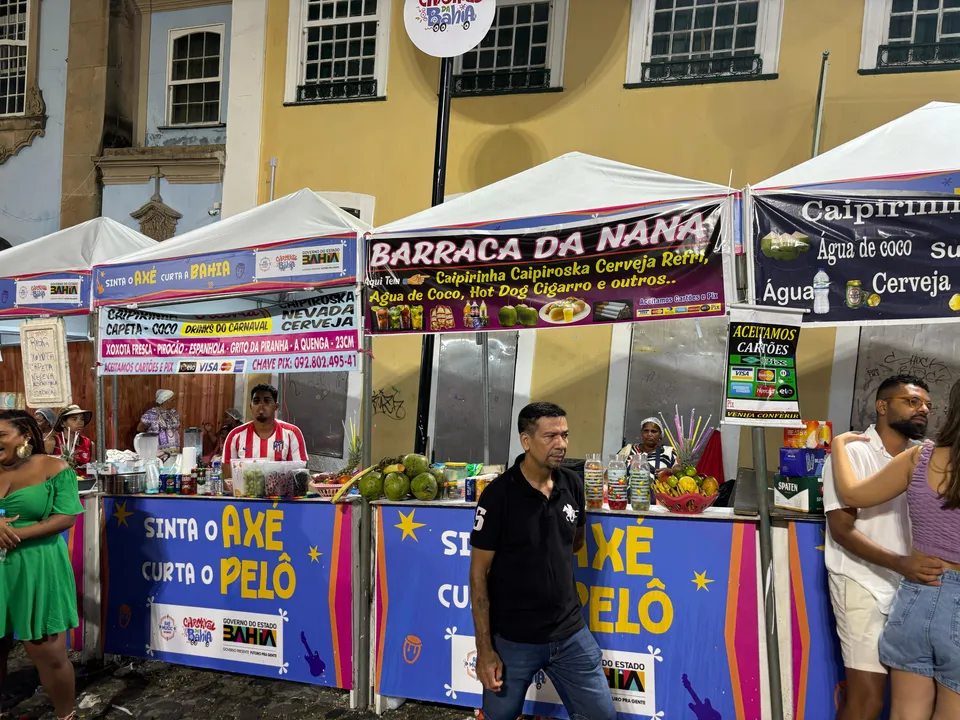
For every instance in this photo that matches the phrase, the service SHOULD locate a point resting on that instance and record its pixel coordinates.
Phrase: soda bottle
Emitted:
(617, 483)
(821, 293)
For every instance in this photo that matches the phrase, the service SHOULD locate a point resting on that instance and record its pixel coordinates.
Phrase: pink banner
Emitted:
(321, 342)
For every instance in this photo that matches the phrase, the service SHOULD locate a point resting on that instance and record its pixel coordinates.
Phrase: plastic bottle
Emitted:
(593, 481)
(821, 293)
(3, 551)
(617, 483)
(639, 482)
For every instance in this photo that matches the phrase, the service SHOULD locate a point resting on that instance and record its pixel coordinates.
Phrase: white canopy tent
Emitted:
(554, 194)
(74, 249)
(300, 215)
(570, 190)
(922, 141)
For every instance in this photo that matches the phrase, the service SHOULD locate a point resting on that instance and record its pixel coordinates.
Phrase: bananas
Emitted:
(664, 489)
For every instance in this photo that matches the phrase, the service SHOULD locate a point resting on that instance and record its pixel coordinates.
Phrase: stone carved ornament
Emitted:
(19, 131)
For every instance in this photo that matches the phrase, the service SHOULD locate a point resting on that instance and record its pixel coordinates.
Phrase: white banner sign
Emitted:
(49, 292)
(212, 633)
(447, 28)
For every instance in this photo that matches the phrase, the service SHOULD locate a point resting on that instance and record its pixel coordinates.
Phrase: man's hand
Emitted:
(490, 670)
(920, 568)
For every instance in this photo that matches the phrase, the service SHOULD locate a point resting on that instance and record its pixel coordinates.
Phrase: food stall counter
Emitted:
(675, 611)
(253, 586)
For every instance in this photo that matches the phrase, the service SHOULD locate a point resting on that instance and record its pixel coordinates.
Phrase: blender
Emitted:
(146, 446)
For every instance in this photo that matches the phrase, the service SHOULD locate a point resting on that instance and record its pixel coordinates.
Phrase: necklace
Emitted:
(15, 466)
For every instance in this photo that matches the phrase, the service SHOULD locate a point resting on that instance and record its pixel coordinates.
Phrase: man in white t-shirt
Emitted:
(867, 551)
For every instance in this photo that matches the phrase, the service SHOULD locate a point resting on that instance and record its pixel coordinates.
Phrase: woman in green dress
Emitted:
(38, 597)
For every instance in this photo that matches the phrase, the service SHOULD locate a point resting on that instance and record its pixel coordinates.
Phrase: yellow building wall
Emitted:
(741, 132)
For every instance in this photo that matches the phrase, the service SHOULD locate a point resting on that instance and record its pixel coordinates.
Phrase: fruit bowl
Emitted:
(687, 504)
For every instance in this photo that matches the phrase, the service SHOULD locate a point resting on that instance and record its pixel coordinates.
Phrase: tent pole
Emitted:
(821, 95)
(439, 182)
(98, 394)
(766, 572)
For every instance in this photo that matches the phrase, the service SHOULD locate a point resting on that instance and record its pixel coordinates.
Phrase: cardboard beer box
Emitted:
(800, 494)
(795, 462)
(814, 435)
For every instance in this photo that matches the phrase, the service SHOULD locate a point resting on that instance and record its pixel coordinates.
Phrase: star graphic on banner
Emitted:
(121, 513)
(701, 580)
(407, 525)
(820, 547)
(314, 553)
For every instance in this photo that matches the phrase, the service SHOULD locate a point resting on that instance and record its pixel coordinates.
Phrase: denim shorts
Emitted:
(922, 635)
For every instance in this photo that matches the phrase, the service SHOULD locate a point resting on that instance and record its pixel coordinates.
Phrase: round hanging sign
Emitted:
(447, 28)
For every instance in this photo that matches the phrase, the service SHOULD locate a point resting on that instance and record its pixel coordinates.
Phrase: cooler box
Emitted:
(800, 494)
(796, 462)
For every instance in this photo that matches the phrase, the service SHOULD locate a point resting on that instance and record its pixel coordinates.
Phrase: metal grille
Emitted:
(694, 39)
(512, 57)
(922, 32)
(195, 79)
(13, 55)
(340, 53)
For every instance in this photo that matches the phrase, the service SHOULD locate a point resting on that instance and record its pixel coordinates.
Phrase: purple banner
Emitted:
(647, 267)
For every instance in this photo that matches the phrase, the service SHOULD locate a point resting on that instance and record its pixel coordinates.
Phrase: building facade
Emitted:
(114, 108)
(723, 91)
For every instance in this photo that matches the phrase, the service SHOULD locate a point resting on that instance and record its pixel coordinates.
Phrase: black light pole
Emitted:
(439, 181)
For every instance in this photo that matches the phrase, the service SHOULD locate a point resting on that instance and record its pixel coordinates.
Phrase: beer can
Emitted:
(165, 482)
(481, 486)
(178, 484)
(471, 490)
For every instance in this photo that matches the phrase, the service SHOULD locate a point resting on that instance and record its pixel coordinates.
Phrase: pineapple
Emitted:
(354, 449)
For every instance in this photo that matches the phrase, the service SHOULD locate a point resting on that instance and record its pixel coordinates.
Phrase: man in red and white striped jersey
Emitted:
(266, 438)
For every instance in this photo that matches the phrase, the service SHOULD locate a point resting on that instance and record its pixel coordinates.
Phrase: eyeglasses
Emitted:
(914, 402)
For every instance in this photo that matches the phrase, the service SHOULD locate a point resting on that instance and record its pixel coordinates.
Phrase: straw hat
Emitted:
(72, 410)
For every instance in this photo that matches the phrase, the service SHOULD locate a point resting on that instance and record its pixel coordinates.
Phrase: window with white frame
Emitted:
(522, 52)
(689, 41)
(911, 35)
(337, 50)
(14, 53)
(194, 76)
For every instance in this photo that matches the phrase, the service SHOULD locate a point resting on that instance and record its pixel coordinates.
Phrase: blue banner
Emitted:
(48, 294)
(317, 262)
(246, 586)
(672, 603)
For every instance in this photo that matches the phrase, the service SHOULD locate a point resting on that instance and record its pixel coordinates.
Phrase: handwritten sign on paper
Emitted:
(46, 370)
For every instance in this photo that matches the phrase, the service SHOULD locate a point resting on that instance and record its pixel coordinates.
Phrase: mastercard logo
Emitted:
(226, 367)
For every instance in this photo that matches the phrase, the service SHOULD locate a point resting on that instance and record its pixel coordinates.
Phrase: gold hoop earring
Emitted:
(25, 451)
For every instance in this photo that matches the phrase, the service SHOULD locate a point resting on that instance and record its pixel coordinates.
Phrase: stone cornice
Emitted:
(155, 6)
(179, 165)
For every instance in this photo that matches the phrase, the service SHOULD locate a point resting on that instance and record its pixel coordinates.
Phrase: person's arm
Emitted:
(53, 525)
(879, 487)
(916, 567)
(489, 665)
(581, 536)
(298, 448)
(485, 540)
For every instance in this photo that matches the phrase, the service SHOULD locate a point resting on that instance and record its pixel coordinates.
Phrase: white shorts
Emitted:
(859, 624)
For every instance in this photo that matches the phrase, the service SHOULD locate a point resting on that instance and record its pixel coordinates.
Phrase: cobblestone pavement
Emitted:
(151, 690)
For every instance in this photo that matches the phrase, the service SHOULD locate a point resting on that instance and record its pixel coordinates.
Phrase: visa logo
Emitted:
(209, 367)
(741, 373)
(741, 389)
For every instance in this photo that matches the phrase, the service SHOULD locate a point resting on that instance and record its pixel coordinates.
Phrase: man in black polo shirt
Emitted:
(526, 611)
